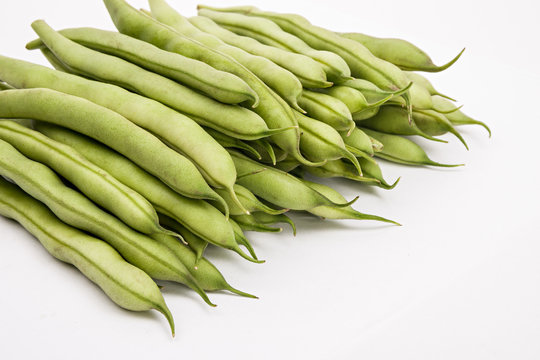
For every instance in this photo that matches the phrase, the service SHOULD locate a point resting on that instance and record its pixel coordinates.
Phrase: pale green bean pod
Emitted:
(249, 202)
(327, 109)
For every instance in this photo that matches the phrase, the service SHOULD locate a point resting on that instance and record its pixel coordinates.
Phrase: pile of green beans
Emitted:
(143, 147)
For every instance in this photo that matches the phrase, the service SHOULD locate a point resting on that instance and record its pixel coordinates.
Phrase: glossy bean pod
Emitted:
(128, 286)
(359, 140)
(327, 109)
(101, 187)
(219, 85)
(76, 210)
(197, 215)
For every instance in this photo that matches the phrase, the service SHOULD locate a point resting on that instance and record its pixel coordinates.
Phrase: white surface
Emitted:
(460, 279)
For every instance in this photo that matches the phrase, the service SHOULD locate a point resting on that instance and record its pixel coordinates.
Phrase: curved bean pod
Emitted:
(260, 221)
(434, 123)
(183, 133)
(76, 210)
(111, 129)
(321, 142)
(276, 186)
(126, 285)
(339, 168)
(402, 150)
(102, 188)
(332, 212)
(231, 119)
(229, 142)
(249, 202)
(269, 33)
(214, 228)
(425, 83)
(272, 108)
(401, 53)
(310, 73)
(359, 140)
(351, 97)
(195, 243)
(327, 109)
(456, 116)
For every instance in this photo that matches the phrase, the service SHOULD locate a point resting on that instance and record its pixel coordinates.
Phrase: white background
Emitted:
(460, 279)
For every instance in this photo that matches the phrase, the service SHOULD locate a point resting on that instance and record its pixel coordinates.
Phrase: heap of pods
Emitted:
(150, 143)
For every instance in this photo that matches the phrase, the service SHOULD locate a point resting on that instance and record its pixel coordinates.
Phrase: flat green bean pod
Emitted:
(359, 140)
(361, 61)
(76, 210)
(366, 114)
(282, 81)
(102, 188)
(180, 131)
(332, 212)
(393, 119)
(231, 119)
(351, 97)
(402, 150)
(249, 202)
(327, 109)
(456, 116)
(310, 73)
(269, 33)
(321, 142)
(277, 187)
(111, 129)
(261, 221)
(229, 142)
(339, 168)
(401, 53)
(219, 85)
(272, 108)
(197, 215)
(434, 123)
(126, 285)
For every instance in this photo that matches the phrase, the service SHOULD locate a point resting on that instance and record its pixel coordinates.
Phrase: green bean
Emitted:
(180, 131)
(56, 63)
(377, 145)
(332, 212)
(267, 151)
(219, 85)
(197, 215)
(270, 34)
(76, 210)
(260, 221)
(274, 110)
(97, 184)
(282, 81)
(351, 97)
(109, 128)
(340, 168)
(456, 116)
(126, 285)
(241, 239)
(327, 109)
(425, 83)
(249, 202)
(321, 142)
(359, 140)
(366, 114)
(434, 123)
(287, 165)
(372, 169)
(372, 92)
(362, 63)
(402, 150)
(275, 186)
(195, 243)
(399, 52)
(5, 86)
(231, 119)
(230, 142)
(310, 73)
(394, 120)
(202, 270)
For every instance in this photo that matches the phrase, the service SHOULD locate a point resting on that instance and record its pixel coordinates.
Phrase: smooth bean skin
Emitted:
(434, 123)
(219, 85)
(282, 81)
(310, 73)
(366, 114)
(198, 216)
(76, 210)
(269, 33)
(327, 109)
(249, 202)
(359, 140)
(272, 108)
(128, 286)
(260, 222)
(195, 243)
(178, 130)
(361, 62)
(276, 186)
(227, 141)
(393, 119)
(351, 97)
(425, 83)
(321, 142)
(101, 187)
(232, 119)
(340, 168)
(332, 212)
(401, 53)
(402, 150)
(111, 129)
(454, 114)
(241, 239)
(5, 86)
(269, 154)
